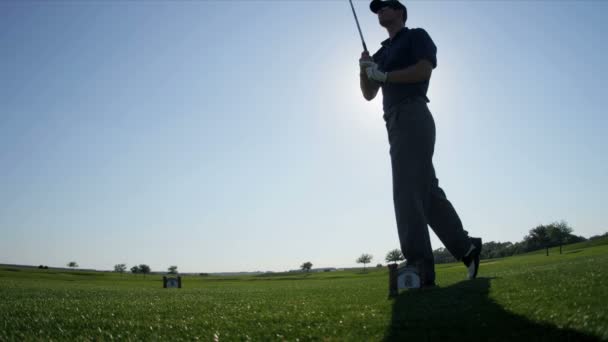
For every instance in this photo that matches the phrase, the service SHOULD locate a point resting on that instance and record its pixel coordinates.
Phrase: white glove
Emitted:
(374, 74)
(366, 64)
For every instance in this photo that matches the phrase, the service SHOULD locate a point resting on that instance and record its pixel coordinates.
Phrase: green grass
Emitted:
(528, 297)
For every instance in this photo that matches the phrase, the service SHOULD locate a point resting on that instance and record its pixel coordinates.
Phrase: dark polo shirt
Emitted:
(407, 48)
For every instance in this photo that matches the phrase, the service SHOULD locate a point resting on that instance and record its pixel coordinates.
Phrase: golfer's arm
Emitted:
(418, 72)
(368, 88)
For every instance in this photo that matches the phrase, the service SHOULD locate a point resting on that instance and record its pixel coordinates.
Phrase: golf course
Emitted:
(530, 297)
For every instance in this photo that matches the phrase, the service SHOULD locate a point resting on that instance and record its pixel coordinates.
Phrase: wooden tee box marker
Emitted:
(172, 283)
(393, 290)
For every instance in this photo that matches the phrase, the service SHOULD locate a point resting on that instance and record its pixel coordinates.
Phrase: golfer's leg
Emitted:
(411, 135)
(410, 214)
(445, 222)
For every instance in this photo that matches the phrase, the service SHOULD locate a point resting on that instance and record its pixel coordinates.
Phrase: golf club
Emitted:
(358, 27)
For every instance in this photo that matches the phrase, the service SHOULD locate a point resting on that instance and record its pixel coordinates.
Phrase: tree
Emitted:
(492, 250)
(364, 259)
(538, 237)
(394, 256)
(595, 237)
(442, 256)
(145, 269)
(172, 269)
(306, 266)
(135, 269)
(559, 232)
(72, 264)
(120, 268)
(545, 236)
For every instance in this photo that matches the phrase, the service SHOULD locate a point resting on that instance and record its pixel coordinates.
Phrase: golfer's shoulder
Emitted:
(418, 33)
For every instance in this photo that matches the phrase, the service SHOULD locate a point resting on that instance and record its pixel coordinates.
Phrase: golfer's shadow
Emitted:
(464, 311)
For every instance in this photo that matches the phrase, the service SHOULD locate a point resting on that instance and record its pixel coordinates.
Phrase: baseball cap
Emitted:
(375, 5)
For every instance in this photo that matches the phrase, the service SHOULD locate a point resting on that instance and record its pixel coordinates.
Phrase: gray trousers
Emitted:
(418, 199)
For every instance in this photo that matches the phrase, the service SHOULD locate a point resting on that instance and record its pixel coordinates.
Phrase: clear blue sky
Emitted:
(232, 136)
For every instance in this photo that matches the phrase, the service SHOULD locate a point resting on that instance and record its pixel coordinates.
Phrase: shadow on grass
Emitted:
(464, 311)
(574, 251)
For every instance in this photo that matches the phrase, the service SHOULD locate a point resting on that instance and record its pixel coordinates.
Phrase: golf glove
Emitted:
(364, 64)
(374, 74)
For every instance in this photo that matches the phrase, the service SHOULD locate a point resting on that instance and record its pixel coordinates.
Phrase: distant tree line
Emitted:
(596, 237)
(306, 266)
(143, 269)
(120, 268)
(540, 237)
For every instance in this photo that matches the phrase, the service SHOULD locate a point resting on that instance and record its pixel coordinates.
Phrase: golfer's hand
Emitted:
(374, 74)
(365, 61)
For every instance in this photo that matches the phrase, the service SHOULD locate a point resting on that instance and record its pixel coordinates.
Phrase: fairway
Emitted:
(531, 297)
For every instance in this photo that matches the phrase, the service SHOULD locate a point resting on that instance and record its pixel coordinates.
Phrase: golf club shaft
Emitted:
(358, 27)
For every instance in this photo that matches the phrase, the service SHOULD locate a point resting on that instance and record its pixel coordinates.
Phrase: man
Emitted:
(402, 67)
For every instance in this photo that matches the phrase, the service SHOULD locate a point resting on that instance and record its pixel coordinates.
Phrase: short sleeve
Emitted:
(378, 56)
(423, 46)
